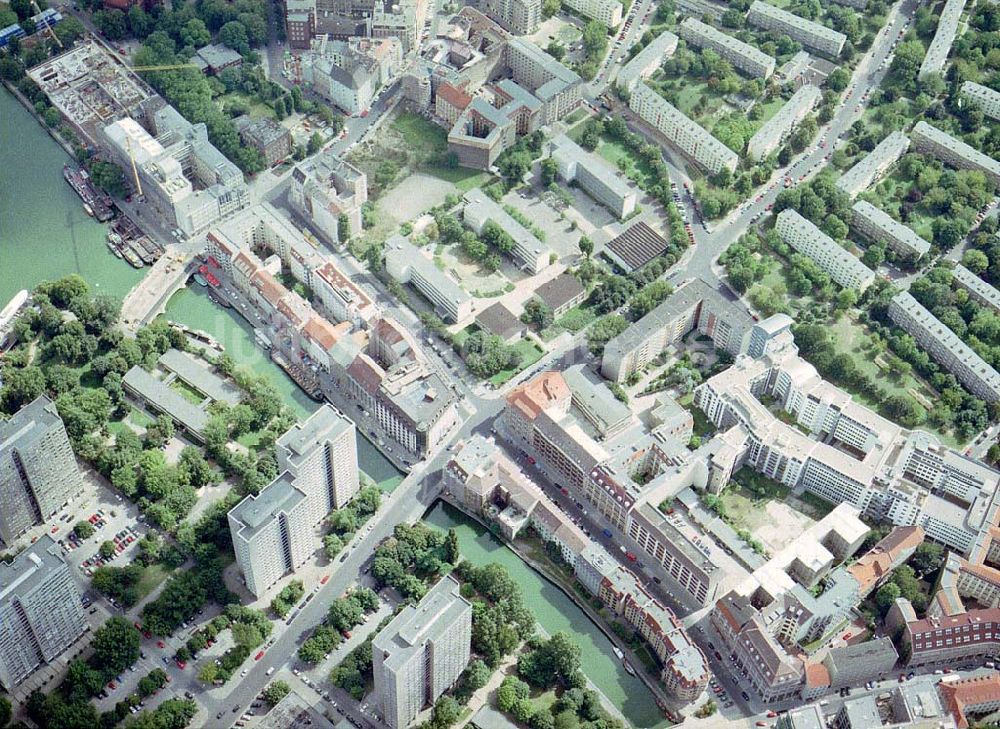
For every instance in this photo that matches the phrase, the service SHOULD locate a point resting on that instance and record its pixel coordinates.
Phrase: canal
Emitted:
(554, 612)
(45, 234)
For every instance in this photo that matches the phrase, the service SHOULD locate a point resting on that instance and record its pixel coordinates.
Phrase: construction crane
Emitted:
(135, 172)
(170, 67)
(48, 26)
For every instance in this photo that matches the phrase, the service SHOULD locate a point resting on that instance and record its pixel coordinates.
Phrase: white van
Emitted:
(270, 670)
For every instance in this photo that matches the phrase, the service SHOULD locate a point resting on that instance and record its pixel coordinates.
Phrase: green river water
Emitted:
(45, 234)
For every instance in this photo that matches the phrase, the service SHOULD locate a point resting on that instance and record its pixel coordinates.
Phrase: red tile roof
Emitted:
(969, 695)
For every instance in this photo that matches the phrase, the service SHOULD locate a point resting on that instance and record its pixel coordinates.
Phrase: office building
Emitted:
(518, 16)
(857, 663)
(605, 12)
(38, 470)
(482, 132)
(273, 141)
(184, 178)
(322, 454)
(807, 32)
(272, 533)
(944, 36)
(696, 305)
(681, 131)
(945, 347)
(880, 227)
(839, 264)
(647, 61)
(421, 653)
(529, 253)
(40, 611)
(328, 192)
(954, 152)
(872, 166)
(598, 178)
(779, 127)
(982, 97)
(215, 58)
(979, 291)
(405, 263)
(754, 63)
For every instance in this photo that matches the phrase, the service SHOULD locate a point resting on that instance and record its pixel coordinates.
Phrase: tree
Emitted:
(586, 246)
(550, 8)
(513, 166)
(487, 354)
(549, 171)
(83, 529)
(116, 646)
(537, 313)
(603, 330)
(196, 34)
(451, 548)
(975, 260)
(886, 597)
(275, 692)
(838, 80)
(5, 711)
(556, 49)
(234, 35)
(111, 23)
(446, 712)
(107, 549)
(315, 143)
(476, 675)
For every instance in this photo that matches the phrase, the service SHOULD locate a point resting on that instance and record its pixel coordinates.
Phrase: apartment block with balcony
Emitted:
(38, 469)
(879, 226)
(406, 264)
(779, 127)
(40, 611)
(944, 36)
(945, 347)
(753, 62)
(983, 98)
(872, 166)
(841, 265)
(807, 32)
(930, 140)
(647, 61)
(681, 131)
(605, 12)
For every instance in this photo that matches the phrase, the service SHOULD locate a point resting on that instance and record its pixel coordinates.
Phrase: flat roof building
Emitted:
(557, 87)
(745, 57)
(777, 129)
(808, 33)
(40, 611)
(944, 36)
(841, 265)
(271, 139)
(945, 347)
(421, 653)
(954, 152)
(647, 61)
(872, 166)
(983, 98)
(215, 58)
(597, 177)
(160, 397)
(681, 131)
(878, 226)
(405, 263)
(529, 253)
(38, 469)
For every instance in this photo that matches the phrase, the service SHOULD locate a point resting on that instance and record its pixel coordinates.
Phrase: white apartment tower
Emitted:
(40, 611)
(421, 653)
(38, 471)
(322, 455)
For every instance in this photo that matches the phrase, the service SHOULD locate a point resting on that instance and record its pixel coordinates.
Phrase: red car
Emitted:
(181, 665)
(564, 491)
(160, 644)
(631, 557)
(346, 633)
(326, 578)
(112, 685)
(54, 529)
(138, 626)
(259, 656)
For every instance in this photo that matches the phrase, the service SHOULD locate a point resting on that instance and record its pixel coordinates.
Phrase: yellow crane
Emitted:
(48, 26)
(169, 67)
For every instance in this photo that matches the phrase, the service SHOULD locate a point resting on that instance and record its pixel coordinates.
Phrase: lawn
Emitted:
(702, 425)
(530, 353)
(577, 318)
(188, 392)
(257, 108)
(420, 134)
(153, 576)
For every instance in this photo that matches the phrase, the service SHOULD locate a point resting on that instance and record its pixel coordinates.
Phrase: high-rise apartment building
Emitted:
(518, 16)
(944, 36)
(928, 139)
(605, 12)
(421, 653)
(982, 97)
(807, 32)
(272, 532)
(40, 611)
(779, 127)
(753, 62)
(38, 471)
(874, 165)
(841, 265)
(322, 454)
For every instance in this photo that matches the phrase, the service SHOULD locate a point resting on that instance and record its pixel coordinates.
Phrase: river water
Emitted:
(45, 234)
(554, 612)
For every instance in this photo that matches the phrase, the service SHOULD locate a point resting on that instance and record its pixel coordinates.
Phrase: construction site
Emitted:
(90, 87)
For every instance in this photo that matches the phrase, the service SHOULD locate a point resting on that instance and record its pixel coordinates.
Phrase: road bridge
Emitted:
(149, 297)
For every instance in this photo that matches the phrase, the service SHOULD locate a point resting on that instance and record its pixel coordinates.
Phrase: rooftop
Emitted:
(560, 290)
(638, 245)
(254, 513)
